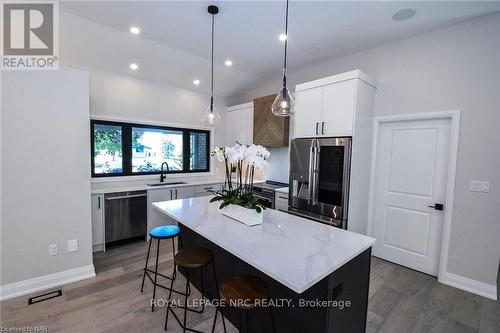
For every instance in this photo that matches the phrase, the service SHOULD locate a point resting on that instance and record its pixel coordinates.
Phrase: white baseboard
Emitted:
(29, 286)
(472, 286)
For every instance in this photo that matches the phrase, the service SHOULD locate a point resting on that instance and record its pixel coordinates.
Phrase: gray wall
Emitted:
(45, 172)
(453, 68)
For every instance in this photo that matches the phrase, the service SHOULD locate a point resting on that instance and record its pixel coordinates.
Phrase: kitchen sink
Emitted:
(165, 184)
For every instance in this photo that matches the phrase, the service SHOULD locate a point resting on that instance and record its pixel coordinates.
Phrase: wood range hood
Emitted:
(269, 130)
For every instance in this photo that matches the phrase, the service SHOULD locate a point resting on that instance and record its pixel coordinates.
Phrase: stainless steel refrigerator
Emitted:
(319, 179)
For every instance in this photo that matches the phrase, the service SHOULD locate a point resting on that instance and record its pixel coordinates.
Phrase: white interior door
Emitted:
(411, 175)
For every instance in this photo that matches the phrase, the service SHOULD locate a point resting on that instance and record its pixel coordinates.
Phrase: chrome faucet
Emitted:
(162, 174)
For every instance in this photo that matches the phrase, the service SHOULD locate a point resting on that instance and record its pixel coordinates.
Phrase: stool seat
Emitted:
(165, 231)
(193, 257)
(242, 291)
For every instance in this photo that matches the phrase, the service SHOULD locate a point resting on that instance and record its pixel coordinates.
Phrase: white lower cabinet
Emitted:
(204, 190)
(281, 201)
(155, 218)
(97, 208)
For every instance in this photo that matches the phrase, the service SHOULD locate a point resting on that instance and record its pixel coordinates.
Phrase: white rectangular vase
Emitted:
(244, 215)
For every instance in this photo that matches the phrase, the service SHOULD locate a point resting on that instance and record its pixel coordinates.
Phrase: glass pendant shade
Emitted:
(284, 104)
(211, 116)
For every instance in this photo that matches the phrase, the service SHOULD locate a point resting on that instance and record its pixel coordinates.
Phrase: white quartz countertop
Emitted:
(292, 250)
(137, 185)
(282, 190)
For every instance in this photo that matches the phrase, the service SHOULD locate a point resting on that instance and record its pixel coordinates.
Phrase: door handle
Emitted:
(437, 206)
(317, 125)
(322, 127)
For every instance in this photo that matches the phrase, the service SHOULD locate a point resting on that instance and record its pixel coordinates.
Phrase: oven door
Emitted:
(268, 202)
(319, 176)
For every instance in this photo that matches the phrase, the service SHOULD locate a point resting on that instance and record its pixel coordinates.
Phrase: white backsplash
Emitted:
(278, 166)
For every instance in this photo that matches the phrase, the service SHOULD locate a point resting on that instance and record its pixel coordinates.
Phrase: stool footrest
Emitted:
(180, 323)
(166, 277)
(165, 287)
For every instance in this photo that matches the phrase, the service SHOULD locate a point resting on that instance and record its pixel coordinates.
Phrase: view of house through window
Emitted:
(198, 142)
(151, 147)
(120, 149)
(107, 149)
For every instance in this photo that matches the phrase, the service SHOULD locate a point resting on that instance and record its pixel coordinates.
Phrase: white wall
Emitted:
(127, 98)
(120, 96)
(141, 96)
(452, 68)
(45, 172)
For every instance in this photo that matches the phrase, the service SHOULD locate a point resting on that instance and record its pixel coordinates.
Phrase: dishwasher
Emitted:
(125, 216)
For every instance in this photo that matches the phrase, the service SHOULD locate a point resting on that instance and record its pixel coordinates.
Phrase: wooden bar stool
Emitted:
(191, 258)
(159, 233)
(243, 292)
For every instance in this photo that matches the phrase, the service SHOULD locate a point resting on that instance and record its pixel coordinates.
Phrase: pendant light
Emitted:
(284, 104)
(212, 117)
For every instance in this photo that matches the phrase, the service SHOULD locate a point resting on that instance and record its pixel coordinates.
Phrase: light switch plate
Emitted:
(479, 186)
(53, 249)
(73, 245)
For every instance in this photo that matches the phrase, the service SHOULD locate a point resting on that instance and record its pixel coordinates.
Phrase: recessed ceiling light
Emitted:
(228, 63)
(196, 82)
(404, 14)
(283, 37)
(134, 67)
(135, 30)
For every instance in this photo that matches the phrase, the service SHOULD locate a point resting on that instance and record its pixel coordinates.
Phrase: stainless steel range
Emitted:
(266, 191)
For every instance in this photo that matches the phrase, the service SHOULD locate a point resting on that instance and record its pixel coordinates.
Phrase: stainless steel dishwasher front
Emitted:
(125, 216)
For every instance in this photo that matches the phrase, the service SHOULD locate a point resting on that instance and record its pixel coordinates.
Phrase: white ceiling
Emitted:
(247, 33)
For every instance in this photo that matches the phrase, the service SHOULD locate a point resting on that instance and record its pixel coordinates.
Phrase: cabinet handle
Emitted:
(176, 193)
(98, 202)
(208, 188)
(171, 195)
(285, 198)
(317, 125)
(323, 128)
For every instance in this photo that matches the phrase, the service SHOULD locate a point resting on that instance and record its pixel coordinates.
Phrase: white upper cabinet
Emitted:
(239, 124)
(327, 107)
(308, 107)
(338, 109)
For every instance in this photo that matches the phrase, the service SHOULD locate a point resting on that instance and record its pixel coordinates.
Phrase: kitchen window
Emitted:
(125, 149)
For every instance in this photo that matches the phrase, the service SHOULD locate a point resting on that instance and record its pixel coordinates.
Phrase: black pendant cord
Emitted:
(286, 45)
(212, 68)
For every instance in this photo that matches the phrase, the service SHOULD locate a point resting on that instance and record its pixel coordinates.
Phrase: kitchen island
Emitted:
(318, 275)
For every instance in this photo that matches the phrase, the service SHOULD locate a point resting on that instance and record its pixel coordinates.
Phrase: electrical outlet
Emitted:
(53, 249)
(73, 245)
(479, 186)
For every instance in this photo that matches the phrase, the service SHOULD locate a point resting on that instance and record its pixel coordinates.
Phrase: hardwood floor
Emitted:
(401, 300)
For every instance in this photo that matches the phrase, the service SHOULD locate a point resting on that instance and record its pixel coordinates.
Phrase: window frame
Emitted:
(126, 129)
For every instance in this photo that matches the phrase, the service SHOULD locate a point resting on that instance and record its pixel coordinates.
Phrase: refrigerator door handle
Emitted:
(311, 174)
(315, 176)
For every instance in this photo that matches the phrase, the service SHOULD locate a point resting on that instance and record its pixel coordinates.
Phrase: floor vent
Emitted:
(44, 297)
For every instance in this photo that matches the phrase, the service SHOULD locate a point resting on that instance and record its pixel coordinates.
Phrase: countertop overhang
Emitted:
(292, 250)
